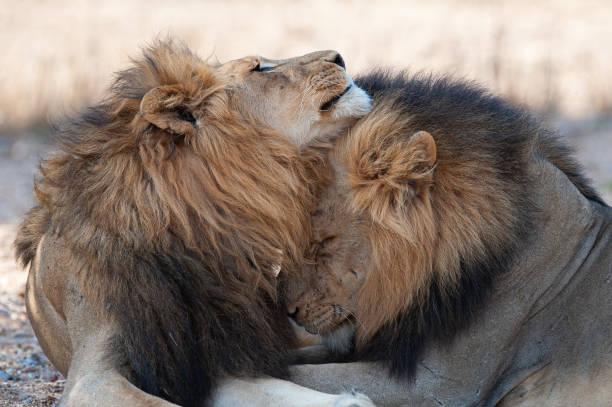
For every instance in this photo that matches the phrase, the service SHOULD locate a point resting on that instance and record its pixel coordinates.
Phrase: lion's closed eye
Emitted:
(262, 68)
(320, 245)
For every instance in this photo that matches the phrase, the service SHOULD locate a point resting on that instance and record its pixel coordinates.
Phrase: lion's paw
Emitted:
(353, 399)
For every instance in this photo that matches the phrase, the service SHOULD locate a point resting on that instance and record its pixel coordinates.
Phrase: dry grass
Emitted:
(552, 55)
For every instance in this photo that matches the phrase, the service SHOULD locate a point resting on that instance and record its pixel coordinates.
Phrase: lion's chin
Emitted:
(320, 327)
(327, 327)
(340, 339)
(353, 102)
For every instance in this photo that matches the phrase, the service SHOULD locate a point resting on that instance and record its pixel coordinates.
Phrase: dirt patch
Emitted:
(27, 378)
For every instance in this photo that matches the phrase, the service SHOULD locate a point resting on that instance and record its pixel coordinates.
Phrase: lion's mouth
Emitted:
(330, 103)
(332, 319)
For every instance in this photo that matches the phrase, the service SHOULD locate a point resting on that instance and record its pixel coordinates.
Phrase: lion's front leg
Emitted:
(77, 340)
(94, 376)
(108, 389)
(275, 392)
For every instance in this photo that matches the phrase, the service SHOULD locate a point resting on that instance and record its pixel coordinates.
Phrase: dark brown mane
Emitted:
(440, 232)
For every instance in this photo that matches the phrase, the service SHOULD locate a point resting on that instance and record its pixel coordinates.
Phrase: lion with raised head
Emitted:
(457, 243)
(164, 217)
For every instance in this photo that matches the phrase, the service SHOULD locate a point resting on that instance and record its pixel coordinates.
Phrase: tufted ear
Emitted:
(392, 174)
(394, 161)
(165, 107)
(423, 147)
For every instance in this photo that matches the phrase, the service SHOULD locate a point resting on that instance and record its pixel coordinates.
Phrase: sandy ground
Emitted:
(26, 377)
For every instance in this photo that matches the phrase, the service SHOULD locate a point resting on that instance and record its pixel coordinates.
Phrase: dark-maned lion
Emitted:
(163, 219)
(472, 258)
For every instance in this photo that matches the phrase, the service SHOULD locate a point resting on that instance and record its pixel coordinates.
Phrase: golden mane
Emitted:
(423, 228)
(167, 186)
(162, 194)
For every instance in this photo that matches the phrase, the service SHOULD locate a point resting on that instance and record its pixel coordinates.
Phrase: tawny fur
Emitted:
(433, 185)
(176, 205)
(426, 218)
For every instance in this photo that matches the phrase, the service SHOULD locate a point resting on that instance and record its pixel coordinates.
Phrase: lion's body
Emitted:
(163, 219)
(415, 231)
(543, 337)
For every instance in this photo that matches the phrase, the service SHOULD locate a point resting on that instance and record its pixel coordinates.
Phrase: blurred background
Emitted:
(57, 56)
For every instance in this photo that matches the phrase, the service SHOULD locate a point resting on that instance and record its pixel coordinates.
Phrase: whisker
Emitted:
(352, 314)
(304, 94)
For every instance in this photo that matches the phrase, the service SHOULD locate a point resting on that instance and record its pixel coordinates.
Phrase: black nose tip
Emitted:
(339, 61)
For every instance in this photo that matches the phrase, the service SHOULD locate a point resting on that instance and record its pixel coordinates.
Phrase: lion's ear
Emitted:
(165, 107)
(423, 147)
(394, 161)
(390, 173)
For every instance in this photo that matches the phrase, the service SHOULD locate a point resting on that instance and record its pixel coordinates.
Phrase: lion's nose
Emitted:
(338, 60)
